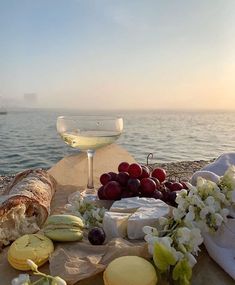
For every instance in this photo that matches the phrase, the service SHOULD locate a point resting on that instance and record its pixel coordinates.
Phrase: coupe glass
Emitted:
(88, 133)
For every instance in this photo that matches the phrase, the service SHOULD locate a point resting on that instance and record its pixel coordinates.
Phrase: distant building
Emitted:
(30, 99)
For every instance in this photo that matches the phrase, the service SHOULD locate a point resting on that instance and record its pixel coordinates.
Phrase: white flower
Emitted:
(150, 231)
(183, 235)
(163, 221)
(218, 219)
(210, 201)
(205, 211)
(178, 214)
(228, 178)
(58, 281)
(197, 201)
(22, 279)
(191, 259)
(190, 216)
(196, 239)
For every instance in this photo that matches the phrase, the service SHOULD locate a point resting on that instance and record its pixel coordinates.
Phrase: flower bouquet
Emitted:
(201, 209)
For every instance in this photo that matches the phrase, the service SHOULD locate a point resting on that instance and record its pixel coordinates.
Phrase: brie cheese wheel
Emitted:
(128, 216)
(145, 216)
(131, 205)
(115, 224)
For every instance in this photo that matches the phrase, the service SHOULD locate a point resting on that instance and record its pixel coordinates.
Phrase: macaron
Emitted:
(64, 228)
(36, 247)
(130, 270)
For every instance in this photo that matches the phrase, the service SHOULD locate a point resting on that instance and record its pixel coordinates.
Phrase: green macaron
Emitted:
(64, 228)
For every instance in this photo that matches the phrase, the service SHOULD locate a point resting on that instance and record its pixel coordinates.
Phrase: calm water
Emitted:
(29, 138)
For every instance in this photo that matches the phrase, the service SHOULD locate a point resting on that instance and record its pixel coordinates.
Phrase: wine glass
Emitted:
(88, 133)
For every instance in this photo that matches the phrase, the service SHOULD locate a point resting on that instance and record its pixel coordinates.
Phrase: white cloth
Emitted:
(221, 245)
(221, 164)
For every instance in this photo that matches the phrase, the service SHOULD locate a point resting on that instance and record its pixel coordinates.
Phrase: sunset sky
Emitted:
(119, 54)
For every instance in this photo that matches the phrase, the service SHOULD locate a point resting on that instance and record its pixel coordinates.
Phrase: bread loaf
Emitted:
(25, 205)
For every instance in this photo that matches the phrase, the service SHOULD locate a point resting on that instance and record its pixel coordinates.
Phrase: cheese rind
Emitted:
(145, 217)
(128, 216)
(131, 205)
(115, 224)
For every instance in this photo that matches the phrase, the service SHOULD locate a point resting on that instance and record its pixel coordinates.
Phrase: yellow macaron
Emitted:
(130, 270)
(36, 247)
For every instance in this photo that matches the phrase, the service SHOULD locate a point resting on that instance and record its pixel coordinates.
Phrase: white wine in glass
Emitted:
(88, 133)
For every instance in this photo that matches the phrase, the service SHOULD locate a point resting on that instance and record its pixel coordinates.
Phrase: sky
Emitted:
(119, 54)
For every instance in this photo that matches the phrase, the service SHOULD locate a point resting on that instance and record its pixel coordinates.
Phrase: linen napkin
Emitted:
(220, 245)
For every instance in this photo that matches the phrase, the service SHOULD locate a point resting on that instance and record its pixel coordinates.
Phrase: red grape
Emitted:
(165, 195)
(145, 172)
(105, 178)
(96, 236)
(135, 170)
(168, 184)
(176, 186)
(113, 176)
(171, 198)
(101, 193)
(159, 173)
(158, 184)
(148, 186)
(184, 184)
(122, 178)
(133, 185)
(157, 195)
(123, 167)
(112, 190)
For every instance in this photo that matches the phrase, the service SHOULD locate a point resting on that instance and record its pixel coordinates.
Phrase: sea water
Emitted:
(28, 138)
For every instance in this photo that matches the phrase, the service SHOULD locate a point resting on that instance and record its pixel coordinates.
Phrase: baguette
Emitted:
(25, 205)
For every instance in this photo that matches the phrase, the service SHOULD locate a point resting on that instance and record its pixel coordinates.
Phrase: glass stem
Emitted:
(90, 155)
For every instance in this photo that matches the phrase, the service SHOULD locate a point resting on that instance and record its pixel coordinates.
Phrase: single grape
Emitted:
(96, 236)
(112, 190)
(123, 167)
(184, 184)
(145, 172)
(168, 184)
(135, 170)
(148, 186)
(159, 173)
(101, 194)
(133, 185)
(165, 194)
(122, 178)
(157, 195)
(176, 186)
(113, 176)
(105, 178)
(158, 184)
(171, 198)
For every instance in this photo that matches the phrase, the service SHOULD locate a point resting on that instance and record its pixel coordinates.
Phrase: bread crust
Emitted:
(32, 188)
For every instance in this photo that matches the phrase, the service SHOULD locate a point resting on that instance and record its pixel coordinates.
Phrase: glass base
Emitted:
(90, 195)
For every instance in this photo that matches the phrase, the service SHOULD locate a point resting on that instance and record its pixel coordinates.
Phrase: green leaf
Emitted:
(182, 272)
(163, 257)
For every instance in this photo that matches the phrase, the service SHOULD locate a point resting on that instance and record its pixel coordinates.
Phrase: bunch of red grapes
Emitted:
(137, 180)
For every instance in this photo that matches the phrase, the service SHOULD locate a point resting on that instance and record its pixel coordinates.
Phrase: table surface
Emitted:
(72, 170)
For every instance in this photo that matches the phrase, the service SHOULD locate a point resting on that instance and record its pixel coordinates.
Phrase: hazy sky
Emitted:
(119, 53)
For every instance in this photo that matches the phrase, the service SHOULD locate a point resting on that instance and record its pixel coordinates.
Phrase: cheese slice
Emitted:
(145, 216)
(131, 205)
(115, 224)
